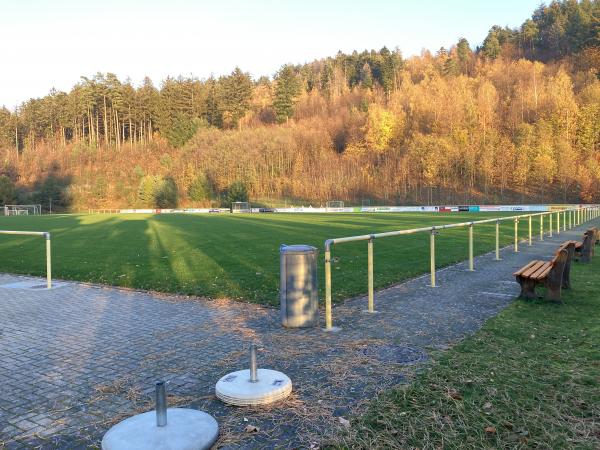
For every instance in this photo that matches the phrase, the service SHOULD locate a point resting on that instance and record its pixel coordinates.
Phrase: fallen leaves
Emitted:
(490, 431)
(454, 394)
(344, 422)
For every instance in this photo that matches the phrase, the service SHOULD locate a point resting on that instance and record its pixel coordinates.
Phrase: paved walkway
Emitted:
(79, 358)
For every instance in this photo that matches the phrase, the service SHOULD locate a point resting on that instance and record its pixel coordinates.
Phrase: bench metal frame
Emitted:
(577, 216)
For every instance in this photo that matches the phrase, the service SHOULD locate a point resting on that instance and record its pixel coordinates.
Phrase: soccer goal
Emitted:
(22, 210)
(335, 206)
(241, 207)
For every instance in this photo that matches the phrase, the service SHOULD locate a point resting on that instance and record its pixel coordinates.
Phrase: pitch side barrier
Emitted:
(353, 209)
(45, 235)
(572, 216)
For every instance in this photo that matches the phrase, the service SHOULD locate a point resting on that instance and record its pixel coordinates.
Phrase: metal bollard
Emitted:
(253, 367)
(161, 404)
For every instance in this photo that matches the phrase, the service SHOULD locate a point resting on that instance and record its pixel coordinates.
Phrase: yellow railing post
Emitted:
(570, 219)
(550, 225)
(328, 321)
(471, 247)
(558, 222)
(542, 227)
(370, 268)
(516, 235)
(530, 229)
(48, 261)
(564, 221)
(432, 256)
(498, 240)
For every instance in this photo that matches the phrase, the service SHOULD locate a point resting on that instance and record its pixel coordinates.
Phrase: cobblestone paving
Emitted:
(79, 358)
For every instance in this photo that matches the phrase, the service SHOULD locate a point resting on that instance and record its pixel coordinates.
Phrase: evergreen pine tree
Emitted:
(287, 90)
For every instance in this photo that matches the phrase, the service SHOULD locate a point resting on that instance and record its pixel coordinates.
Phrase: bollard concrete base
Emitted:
(186, 429)
(237, 389)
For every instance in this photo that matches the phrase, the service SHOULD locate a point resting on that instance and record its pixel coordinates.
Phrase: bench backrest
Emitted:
(589, 239)
(558, 266)
(569, 246)
(595, 233)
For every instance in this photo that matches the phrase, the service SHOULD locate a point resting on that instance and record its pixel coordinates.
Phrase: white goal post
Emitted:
(22, 210)
(241, 207)
(335, 206)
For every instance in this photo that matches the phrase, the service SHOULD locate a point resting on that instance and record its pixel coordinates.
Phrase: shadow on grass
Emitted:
(234, 256)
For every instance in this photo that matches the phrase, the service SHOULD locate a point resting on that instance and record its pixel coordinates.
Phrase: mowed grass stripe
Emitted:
(235, 256)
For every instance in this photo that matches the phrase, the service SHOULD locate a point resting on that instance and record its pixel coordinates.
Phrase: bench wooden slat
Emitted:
(542, 271)
(523, 269)
(533, 269)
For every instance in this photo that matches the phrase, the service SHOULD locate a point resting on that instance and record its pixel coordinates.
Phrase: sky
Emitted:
(48, 44)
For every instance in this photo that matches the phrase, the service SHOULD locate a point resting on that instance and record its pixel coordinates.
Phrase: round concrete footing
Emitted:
(237, 389)
(186, 429)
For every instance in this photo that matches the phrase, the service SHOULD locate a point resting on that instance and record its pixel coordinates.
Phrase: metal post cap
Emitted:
(297, 249)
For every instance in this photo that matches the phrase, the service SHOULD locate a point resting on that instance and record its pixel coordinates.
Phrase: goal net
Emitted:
(22, 210)
(241, 207)
(335, 206)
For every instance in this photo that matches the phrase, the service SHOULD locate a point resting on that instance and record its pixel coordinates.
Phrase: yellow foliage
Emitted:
(379, 129)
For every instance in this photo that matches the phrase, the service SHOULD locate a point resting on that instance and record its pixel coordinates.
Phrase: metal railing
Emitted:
(575, 216)
(46, 235)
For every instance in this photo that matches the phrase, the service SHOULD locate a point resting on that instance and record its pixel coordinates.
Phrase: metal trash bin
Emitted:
(298, 289)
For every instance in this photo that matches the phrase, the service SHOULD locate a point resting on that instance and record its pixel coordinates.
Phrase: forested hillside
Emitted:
(517, 119)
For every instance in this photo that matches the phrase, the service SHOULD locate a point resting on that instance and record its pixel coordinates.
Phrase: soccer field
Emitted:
(235, 256)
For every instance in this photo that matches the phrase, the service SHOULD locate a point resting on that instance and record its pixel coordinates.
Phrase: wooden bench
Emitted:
(546, 273)
(569, 246)
(585, 249)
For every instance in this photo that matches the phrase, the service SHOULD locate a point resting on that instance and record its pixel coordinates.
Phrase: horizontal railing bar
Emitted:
(366, 237)
(27, 233)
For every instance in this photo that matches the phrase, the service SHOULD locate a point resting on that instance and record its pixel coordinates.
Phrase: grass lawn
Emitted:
(530, 376)
(235, 256)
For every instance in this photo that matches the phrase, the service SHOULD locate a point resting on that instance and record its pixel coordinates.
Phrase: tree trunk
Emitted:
(105, 121)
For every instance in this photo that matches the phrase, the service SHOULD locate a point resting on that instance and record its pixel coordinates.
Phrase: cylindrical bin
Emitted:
(298, 290)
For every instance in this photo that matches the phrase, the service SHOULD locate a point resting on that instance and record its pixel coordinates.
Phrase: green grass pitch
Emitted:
(236, 256)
